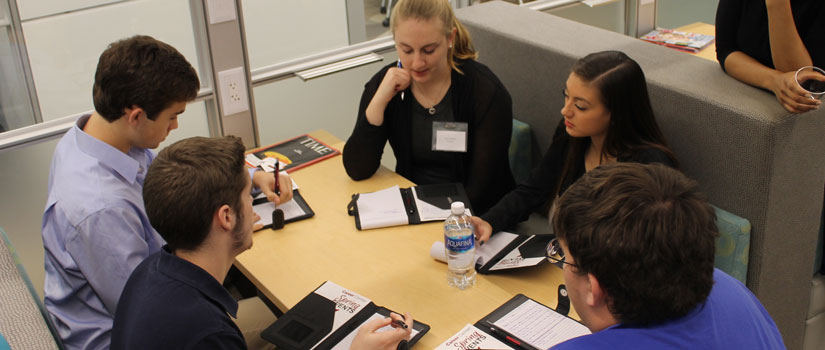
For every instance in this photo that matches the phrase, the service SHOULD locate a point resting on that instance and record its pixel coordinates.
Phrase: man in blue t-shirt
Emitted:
(637, 246)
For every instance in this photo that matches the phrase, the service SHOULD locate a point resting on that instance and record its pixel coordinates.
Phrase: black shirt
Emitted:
(537, 190)
(742, 25)
(430, 166)
(478, 99)
(170, 303)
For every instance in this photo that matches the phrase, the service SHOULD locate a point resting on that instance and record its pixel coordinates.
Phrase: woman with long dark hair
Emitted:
(607, 118)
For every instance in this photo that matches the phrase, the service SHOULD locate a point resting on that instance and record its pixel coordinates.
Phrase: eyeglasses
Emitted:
(555, 254)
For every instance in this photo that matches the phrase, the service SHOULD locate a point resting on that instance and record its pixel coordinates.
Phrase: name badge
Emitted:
(449, 136)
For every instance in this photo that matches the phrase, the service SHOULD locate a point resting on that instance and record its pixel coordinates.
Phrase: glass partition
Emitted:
(610, 16)
(63, 48)
(286, 29)
(16, 101)
(676, 13)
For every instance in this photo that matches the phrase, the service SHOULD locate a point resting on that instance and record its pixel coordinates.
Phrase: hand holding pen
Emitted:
(396, 79)
(372, 336)
(275, 186)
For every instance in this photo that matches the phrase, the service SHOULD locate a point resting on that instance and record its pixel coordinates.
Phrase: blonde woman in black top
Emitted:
(417, 102)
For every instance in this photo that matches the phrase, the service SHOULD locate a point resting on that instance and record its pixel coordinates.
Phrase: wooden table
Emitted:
(709, 52)
(390, 266)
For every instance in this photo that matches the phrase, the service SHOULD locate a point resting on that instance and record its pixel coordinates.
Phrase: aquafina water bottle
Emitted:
(459, 242)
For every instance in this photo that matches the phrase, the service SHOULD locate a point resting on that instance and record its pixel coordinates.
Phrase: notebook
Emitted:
(396, 206)
(328, 318)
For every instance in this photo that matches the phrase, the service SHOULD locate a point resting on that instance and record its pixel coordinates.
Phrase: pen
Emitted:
(402, 91)
(506, 335)
(398, 323)
(277, 170)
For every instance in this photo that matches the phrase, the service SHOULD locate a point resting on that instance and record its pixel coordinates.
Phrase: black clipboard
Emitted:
(438, 195)
(309, 324)
(486, 323)
(298, 199)
(527, 246)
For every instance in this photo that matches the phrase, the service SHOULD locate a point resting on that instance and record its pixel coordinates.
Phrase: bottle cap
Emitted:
(457, 208)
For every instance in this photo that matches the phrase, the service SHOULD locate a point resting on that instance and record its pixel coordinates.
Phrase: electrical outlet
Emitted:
(232, 84)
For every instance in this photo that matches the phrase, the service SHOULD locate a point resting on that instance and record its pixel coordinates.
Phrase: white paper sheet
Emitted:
(264, 210)
(495, 244)
(471, 337)
(429, 212)
(382, 209)
(540, 326)
(347, 305)
(484, 253)
(345, 343)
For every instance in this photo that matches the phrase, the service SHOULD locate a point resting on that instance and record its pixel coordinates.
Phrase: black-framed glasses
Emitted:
(555, 254)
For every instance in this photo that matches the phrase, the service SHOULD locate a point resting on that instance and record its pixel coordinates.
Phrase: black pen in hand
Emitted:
(399, 324)
(277, 170)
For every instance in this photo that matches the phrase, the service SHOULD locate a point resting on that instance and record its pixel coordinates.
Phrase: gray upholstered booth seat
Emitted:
(749, 155)
(22, 321)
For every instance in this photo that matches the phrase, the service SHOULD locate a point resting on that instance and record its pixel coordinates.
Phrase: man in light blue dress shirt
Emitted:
(95, 229)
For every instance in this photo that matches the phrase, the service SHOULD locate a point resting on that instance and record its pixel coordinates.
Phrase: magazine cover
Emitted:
(292, 154)
(684, 41)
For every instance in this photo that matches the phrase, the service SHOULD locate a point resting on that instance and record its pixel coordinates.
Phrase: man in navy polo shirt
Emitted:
(197, 196)
(637, 247)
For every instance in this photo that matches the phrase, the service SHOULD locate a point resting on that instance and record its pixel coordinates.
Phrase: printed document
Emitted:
(540, 326)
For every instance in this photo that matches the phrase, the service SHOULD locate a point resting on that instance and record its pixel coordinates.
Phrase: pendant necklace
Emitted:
(432, 109)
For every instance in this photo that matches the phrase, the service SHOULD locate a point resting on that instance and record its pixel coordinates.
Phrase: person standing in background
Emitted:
(764, 42)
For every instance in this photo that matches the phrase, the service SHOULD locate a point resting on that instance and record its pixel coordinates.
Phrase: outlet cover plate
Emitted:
(233, 90)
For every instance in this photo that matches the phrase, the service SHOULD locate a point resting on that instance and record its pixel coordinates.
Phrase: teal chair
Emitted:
(3, 344)
(24, 322)
(733, 244)
(521, 154)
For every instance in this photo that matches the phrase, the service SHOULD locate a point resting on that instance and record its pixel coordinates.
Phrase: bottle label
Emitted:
(459, 244)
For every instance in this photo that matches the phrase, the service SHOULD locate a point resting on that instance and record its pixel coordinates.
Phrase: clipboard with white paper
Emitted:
(396, 206)
(328, 318)
(532, 324)
(503, 251)
(294, 210)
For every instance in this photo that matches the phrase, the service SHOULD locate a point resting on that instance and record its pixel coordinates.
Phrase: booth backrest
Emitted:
(749, 155)
(23, 321)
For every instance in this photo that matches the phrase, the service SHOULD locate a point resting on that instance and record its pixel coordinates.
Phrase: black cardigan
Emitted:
(536, 191)
(742, 25)
(479, 99)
